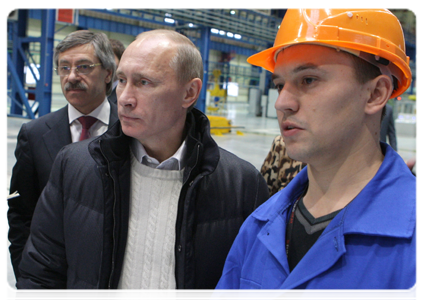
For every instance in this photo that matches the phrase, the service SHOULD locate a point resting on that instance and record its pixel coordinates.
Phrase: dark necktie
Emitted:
(87, 122)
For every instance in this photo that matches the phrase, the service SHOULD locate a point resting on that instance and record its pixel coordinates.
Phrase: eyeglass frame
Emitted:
(92, 66)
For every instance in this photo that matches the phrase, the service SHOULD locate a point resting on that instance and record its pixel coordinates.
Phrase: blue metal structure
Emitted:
(20, 57)
(240, 31)
(15, 66)
(44, 84)
(20, 100)
(204, 50)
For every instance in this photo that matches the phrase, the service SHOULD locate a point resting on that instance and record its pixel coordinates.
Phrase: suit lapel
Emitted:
(113, 114)
(58, 134)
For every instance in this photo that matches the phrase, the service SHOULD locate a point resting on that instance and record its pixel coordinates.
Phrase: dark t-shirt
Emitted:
(304, 232)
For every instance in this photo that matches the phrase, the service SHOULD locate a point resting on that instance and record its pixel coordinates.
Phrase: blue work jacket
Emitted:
(370, 244)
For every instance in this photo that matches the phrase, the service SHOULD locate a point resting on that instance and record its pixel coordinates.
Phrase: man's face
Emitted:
(320, 106)
(150, 98)
(84, 91)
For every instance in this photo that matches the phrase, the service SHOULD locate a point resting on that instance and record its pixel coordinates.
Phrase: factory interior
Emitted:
(239, 98)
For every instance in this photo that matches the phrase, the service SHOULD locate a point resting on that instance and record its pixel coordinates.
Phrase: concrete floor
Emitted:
(252, 145)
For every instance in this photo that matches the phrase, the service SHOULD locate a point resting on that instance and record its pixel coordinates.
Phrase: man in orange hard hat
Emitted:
(348, 219)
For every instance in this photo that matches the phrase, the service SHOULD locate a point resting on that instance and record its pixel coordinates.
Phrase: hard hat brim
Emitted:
(265, 59)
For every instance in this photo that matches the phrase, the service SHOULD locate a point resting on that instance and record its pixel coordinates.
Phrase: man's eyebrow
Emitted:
(146, 76)
(119, 72)
(137, 76)
(304, 67)
(307, 66)
(78, 62)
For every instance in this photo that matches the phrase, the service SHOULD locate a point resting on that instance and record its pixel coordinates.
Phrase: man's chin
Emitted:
(296, 154)
(75, 91)
(75, 98)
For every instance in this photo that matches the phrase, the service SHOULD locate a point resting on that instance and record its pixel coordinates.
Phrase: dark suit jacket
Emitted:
(113, 97)
(387, 128)
(38, 143)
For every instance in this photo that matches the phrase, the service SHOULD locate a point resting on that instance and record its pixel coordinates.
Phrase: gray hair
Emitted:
(102, 49)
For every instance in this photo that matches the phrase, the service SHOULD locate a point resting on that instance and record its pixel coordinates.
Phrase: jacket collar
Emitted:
(200, 145)
(364, 214)
(58, 134)
(202, 150)
(113, 113)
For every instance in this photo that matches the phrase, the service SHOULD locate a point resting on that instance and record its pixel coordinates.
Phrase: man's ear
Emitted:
(108, 77)
(192, 92)
(381, 89)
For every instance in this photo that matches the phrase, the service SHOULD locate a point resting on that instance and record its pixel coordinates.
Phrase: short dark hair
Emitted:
(118, 47)
(102, 47)
(365, 71)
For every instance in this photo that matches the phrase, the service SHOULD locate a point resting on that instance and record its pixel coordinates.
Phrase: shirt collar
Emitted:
(101, 113)
(175, 162)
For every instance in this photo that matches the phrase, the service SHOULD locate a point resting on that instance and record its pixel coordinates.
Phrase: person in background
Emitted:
(85, 64)
(387, 128)
(153, 203)
(118, 49)
(278, 168)
(348, 219)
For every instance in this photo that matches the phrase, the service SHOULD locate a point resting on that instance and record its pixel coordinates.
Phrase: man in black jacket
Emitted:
(85, 63)
(154, 202)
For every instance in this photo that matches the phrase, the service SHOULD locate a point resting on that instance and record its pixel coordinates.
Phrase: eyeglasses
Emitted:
(81, 69)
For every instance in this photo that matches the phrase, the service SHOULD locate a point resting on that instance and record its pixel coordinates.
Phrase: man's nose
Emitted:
(125, 96)
(73, 75)
(287, 101)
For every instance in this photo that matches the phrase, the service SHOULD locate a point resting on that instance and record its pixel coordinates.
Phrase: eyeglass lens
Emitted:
(81, 69)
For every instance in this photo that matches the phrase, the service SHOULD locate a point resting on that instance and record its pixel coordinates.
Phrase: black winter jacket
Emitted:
(79, 230)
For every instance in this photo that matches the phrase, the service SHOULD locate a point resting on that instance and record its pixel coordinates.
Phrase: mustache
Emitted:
(75, 86)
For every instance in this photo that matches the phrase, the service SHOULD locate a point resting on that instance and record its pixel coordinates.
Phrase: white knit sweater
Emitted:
(149, 260)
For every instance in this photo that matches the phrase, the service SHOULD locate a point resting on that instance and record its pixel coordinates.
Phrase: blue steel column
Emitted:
(204, 50)
(9, 29)
(19, 31)
(43, 89)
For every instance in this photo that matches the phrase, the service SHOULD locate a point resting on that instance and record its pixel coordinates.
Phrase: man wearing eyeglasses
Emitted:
(85, 64)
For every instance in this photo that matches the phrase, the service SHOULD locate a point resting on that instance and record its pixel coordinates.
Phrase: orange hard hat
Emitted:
(368, 31)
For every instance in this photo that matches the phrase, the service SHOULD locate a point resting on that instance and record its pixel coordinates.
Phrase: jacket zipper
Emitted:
(196, 162)
(114, 218)
(188, 191)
